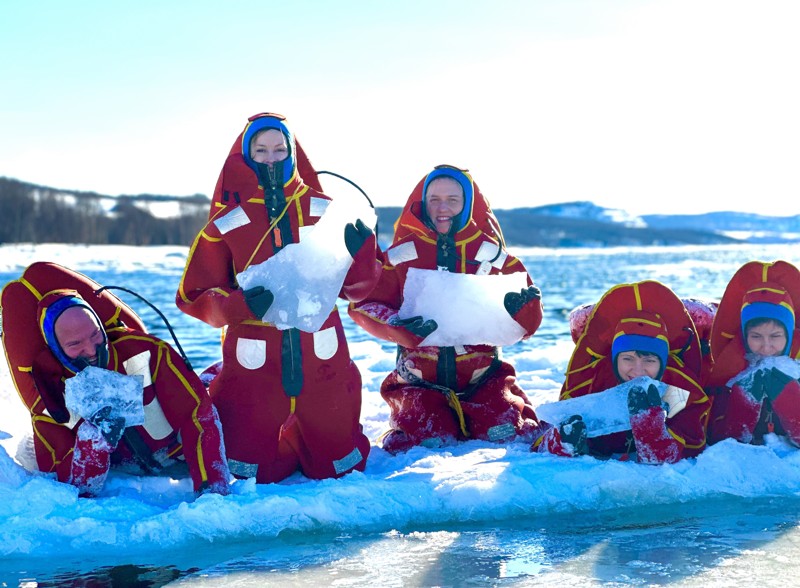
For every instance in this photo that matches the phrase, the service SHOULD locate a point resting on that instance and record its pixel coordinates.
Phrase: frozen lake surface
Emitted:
(474, 514)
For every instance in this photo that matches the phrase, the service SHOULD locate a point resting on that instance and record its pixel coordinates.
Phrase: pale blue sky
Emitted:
(654, 106)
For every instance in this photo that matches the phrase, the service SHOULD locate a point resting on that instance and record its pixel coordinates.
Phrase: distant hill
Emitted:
(753, 228)
(582, 224)
(40, 214)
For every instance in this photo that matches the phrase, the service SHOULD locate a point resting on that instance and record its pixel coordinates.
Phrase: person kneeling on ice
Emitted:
(288, 392)
(450, 383)
(102, 395)
(639, 348)
(754, 379)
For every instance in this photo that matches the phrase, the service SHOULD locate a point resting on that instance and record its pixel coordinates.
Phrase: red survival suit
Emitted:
(180, 420)
(288, 399)
(741, 411)
(440, 394)
(701, 311)
(646, 309)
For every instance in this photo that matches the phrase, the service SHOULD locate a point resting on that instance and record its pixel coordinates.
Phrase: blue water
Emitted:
(697, 544)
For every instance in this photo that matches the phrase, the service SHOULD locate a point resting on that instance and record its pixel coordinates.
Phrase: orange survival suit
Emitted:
(745, 408)
(180, 420)
(441, 394)
(287, 399)
(643, 314)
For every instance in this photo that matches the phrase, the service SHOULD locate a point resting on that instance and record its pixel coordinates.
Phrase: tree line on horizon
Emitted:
(37, 214)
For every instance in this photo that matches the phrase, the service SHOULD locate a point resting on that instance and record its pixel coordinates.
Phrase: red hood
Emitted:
(410, 220)
(627, 301)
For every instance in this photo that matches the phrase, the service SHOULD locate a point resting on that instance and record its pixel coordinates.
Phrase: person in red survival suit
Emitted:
(287, 399)
(640, 329)
(754, 342)
(179, 419)
(438, 395)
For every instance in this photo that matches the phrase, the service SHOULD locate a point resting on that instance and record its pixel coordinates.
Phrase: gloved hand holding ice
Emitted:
(94, 388)
(306, 277)
(607, 412)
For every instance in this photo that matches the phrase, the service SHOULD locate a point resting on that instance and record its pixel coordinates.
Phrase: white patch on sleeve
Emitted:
(676, 398)
(402, 253)
(476, 375)
(488, 251)
(251, 353)
(139, 365)
(326, 343)
(233, 220)
(304, 231)
(155, 422)
(73, 418)
(318, 206)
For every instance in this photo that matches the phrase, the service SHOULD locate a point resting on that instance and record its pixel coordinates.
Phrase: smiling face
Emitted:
(443, 201)
(269, 147)
(78, 334)
(766, 338)
(634, 364)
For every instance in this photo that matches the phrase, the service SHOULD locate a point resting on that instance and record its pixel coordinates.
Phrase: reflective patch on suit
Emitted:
(155, 421)
(488, 251)
(499, 432)
(233, 220)
(402, 253)
(305, 230)
(348, 462)
(326, 343)
(139, 365)
(242, 469)
(318, 206)
(251, 353)
(676, 398)
(476, 375)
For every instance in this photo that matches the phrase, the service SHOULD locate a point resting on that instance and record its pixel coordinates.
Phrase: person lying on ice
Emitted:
(178, 420)
(754, 344)
(636, 330)
(288, 399)
(440, 394)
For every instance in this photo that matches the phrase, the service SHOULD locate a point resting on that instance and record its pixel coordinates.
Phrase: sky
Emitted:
(401, 516)
(649, 106)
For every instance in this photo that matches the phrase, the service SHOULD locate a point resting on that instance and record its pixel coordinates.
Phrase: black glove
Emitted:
(573, 431)
(640, 399)
(514, 302)
(355, 236)
(774, 383)
(415, 325)
(258, 300)
(110, 427)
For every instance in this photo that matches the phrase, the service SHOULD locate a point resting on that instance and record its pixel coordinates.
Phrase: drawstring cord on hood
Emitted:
(352, 183)
(151, 305)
